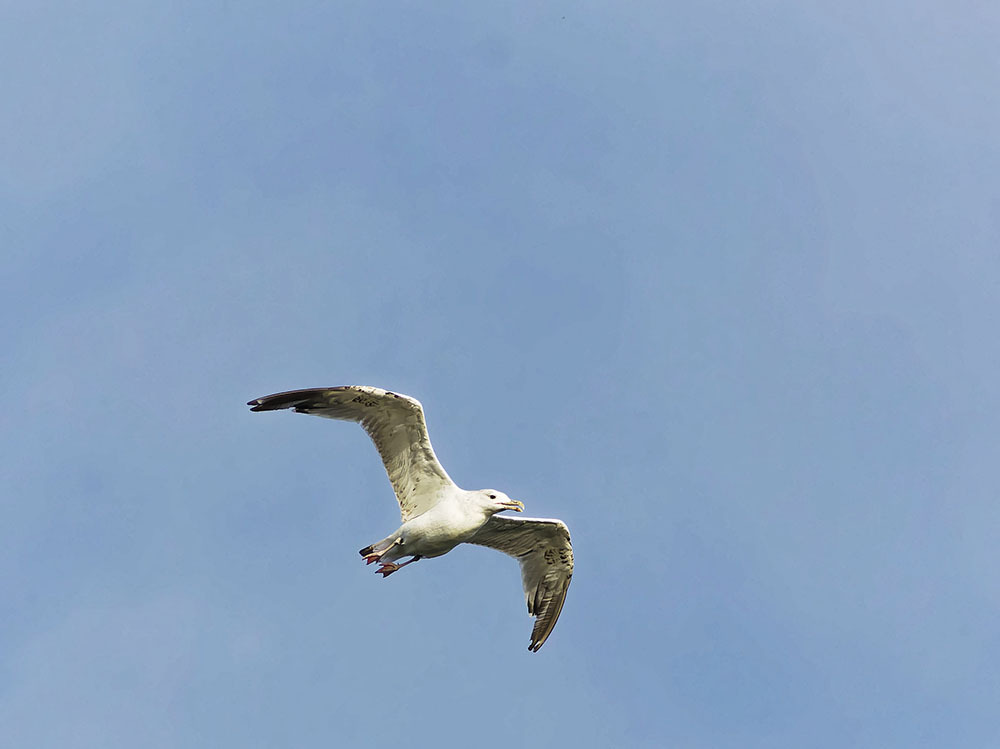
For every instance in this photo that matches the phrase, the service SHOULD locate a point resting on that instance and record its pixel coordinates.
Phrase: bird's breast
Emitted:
(439, 530)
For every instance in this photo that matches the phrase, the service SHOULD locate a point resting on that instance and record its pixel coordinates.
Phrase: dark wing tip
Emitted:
(538, 639)
(288, 399)
(261, 404)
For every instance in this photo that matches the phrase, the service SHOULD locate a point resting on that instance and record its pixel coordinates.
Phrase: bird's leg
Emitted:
(388, 568)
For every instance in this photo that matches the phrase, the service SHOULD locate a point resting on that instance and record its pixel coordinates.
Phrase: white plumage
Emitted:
(437, 515)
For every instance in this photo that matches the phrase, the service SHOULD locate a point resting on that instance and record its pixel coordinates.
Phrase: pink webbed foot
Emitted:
(371, 558)
(387, 569)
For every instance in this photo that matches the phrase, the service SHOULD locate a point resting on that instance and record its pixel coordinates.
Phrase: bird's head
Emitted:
(495, 502)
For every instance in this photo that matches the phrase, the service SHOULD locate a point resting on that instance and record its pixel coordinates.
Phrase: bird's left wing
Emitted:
(395, 423)
(546, 555)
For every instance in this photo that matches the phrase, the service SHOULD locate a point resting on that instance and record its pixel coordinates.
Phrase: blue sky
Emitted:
(715, 283)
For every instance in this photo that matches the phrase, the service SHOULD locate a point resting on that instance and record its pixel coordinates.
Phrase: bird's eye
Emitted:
(493, 496)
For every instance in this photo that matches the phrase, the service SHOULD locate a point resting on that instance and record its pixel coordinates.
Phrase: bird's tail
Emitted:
(382, 545)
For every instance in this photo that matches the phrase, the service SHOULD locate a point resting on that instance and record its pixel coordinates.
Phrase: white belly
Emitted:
(441, 529)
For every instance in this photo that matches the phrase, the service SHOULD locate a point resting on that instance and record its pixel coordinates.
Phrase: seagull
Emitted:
(437, 515)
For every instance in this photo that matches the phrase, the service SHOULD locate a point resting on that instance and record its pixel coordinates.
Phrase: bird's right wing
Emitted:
(546, 555)
(395, 424)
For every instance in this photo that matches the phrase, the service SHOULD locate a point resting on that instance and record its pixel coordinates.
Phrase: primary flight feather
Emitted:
(437, 515)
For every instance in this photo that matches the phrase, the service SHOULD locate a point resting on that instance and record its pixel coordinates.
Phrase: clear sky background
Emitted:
(716, 283)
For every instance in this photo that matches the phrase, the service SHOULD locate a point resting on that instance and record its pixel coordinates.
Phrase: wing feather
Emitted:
(395, 424)
(546, 555)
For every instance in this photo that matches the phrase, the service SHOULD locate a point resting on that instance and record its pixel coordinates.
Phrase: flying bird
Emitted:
(437, 515)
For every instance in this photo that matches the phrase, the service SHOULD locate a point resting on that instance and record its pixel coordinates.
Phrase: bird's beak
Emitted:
(514, 505)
